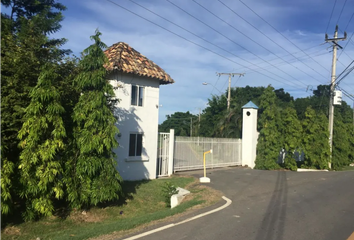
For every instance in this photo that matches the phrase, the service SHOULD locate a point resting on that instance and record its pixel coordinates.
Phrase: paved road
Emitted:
(275, 205)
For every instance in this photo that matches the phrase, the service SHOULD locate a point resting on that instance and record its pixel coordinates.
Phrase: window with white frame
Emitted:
(137, 96)
(135, 144)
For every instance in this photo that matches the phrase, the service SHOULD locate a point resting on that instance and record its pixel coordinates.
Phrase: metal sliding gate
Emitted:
(163, 154)
(188, 152)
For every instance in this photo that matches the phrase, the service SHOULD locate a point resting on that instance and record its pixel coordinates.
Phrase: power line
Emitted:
(330, 18)
(292, 54)
(274, 43)
(283, 35)
(213, 43)
(346, 45)
(200, 38)
(346, 72)
(349, 22)
(194, 43)
(341, 11)
(234, 43)
(284, 63)
(259, 43)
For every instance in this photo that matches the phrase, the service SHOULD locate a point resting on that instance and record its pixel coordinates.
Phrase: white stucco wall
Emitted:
(249, 137)
(136, 119)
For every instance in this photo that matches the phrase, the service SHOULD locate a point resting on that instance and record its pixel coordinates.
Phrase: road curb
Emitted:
(228, 202)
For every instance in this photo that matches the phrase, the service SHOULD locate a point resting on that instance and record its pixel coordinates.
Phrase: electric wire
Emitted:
(217, 45)
(235, 44)
(274, 43)
(349, 22)
(192, 41)
(254, 40)
(298, 86)
(283, 35)
(330, 18)
(340, 14)
(292, 54)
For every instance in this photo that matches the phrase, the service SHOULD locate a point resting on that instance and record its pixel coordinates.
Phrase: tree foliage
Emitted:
(291, 132)
(26, 47)
(269, 123)
(181, 123)
(42, 139)
(7, 185)
(315, 139)
(91, 177)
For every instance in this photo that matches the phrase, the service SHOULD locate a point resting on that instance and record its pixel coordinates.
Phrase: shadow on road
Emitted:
(273, 223)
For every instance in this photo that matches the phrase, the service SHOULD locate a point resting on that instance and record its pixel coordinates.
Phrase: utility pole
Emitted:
(333, 79)
(229, 91)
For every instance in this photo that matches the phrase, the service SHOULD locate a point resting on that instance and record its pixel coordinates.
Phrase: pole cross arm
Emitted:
(335, 39)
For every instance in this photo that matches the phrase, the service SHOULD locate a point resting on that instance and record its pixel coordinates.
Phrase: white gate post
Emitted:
(249, 134)
(170, 152)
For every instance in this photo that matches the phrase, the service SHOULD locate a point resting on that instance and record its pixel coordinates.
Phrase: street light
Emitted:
(206, 83)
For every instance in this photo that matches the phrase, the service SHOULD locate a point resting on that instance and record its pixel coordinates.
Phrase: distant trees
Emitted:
(181, 123)
(285, 124)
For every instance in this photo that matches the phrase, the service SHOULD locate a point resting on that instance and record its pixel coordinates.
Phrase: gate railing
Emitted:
(188, 152)
(165, 154)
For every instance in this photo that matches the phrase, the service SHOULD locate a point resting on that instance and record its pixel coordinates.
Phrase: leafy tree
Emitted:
(284, 99)
(230, 123)
(7, 168)
(180, 122)
(216, 121)
(343, 148)
(269, 145)
(315, 139)
(90, 176)
(42, 137)
(291, 131)
(25, 49)
(211, 115)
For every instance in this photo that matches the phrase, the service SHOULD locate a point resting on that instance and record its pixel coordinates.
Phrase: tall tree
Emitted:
(343, 148)
(269, 143)
(315, 139)
(291, 131)
(91, 176)
(42, 138)
(26, 47)
(7, 168)
(211, 116)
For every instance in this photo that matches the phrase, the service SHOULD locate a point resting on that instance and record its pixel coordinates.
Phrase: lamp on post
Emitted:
(206, 83)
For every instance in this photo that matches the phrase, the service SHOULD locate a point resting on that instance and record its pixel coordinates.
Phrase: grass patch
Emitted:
(346, 168)
(143, 204)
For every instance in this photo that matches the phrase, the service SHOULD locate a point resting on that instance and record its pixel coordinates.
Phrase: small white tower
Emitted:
(249, 134)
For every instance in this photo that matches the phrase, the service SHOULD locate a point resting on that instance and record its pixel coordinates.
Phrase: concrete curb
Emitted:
(176, 199)
(311, 170)
(228, 202)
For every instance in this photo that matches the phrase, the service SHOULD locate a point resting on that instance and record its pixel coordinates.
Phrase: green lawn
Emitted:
(144, 203)
(346, 168)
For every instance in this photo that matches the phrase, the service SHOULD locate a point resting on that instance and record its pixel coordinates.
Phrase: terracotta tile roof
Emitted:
(124, 58)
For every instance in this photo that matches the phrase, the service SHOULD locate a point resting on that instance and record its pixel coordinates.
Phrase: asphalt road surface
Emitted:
(274, 205)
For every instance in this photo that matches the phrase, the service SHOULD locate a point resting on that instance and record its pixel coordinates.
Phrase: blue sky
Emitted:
(289, 53)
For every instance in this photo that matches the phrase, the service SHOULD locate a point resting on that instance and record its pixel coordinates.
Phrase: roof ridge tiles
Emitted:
(123, 57)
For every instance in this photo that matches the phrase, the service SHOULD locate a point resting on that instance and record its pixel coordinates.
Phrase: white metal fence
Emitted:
(163, 154)
(188, 152)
